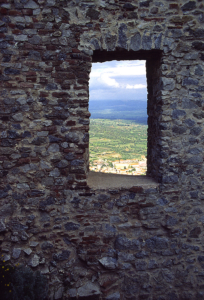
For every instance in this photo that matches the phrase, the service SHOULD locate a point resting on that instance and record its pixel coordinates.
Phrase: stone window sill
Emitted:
(98, 180)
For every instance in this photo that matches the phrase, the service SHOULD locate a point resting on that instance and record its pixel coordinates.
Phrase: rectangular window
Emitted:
(153, 60)
(118, 125)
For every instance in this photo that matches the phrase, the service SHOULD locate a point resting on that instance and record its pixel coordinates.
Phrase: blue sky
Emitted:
(118, 80)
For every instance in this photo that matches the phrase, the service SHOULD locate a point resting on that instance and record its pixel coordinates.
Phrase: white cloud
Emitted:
(136, 86)
(118, 80)
(105, 78)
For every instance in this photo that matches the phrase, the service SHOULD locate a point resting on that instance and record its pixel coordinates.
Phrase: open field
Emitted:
(117, 143)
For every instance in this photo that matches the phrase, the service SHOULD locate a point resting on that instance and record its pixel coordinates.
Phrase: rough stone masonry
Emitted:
(143, 242)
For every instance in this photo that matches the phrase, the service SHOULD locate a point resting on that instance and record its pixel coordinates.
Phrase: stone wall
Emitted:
(137, 243)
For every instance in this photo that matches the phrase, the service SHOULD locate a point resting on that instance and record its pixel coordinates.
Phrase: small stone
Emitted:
(27, 251)
(59, 293)
(189, 6)
(21, 38)
(135, 42)
(147, 42)
(35, 40)
(57, 33)
(2, 226)
(51, 86)
(168, 83)
(199, 70)
(31, 4)
(72, 293)
(18, 117)
(6, 257)
(190, 81)
(34, 262)
(33, 244)
(46, 245)
(89, 290)
(64, 255)
(62, 164)
(93, 14)
(115, 296)
(71, 226)
(122, 39)
(108, 263)
(16, 252)
(55, 173)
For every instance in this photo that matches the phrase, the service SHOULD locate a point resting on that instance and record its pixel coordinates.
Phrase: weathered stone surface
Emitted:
(71, 226)
(108, 263)
(138, 242)
(88, 291)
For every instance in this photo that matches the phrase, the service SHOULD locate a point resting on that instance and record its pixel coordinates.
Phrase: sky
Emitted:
(118, 80)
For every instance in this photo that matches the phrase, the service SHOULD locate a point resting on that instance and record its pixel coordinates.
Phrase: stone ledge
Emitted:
(98, 180)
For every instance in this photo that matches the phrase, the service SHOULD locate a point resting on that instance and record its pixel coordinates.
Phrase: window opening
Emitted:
(118, 124)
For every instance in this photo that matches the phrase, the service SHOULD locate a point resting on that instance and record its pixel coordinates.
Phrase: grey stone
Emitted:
(179, 129)
(188, 104)
(46, 245)
(140, 265)
(114, 296)
(54, 148)
(9, 101)
(77, 162)
(64, 255)
(72, 293)
(31, 4)
(10, 71)
(62, 164)
(110, 41)
(157, 41)
(47, 181)
(27, 251)
(189, 6)
(95, 43)
(195, 160)
(122, 38)
(195, 131)
(18, 117)
(170, 179)
(33, 244)
(2, 226)
(88, 290)
(21, 38)
(93, 14)
(71, 226)
(168, 83)
(198, 45)
(175, 33)
(190, 56)
(16, 253)
(135, 42)
(55, 173)
(35, 40)
(146, 42)
(51, 86)
(108, 263)
(177, 113)
(35, 261)
(34, 55)
(72, 137)
(59, 293)
(199, 70)
(123, 243)
(189, 122)
(44, 203)
(190, 81)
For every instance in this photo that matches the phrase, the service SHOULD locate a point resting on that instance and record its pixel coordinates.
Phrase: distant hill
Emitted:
(135, 110)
